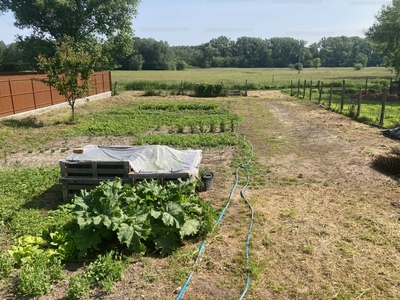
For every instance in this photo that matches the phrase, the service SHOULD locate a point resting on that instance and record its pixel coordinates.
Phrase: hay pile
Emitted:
(389, 163)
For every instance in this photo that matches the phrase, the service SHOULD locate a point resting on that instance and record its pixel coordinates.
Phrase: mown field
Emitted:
(262, 78)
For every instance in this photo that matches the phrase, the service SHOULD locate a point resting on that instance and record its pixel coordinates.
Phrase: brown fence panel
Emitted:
(19, 93)
(6, 103)
(23, 97)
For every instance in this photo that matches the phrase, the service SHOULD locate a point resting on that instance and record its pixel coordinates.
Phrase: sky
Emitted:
(193, 22)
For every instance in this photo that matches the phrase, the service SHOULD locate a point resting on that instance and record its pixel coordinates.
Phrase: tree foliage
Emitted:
(104, 22)
(385, 35)
(69, 69)
(251, 52)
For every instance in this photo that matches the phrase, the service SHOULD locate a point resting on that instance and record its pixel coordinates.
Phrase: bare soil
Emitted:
(326, 224)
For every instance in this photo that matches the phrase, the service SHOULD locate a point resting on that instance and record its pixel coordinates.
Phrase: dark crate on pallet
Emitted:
(76, 176)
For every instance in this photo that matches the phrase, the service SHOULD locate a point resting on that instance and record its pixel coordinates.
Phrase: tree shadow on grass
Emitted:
(28, 122)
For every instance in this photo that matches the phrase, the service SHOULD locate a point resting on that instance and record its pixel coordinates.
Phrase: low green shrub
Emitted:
(6, 265)
(209, 90)
(358, 66)
(38, 275)
(78, 286)
(106, 270)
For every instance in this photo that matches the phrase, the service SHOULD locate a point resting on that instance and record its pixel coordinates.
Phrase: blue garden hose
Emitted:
(248, 235)
(247, 168)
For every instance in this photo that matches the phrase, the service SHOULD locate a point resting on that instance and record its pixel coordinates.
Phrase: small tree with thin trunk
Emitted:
(69, 70)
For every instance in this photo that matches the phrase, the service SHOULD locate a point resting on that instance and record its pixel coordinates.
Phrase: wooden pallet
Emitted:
(76, 176)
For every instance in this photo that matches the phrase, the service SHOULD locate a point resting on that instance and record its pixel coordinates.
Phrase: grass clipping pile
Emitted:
(388, 163)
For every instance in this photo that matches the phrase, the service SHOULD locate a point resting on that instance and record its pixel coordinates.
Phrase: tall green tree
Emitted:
(12, 59)
(156, 55)
(385, 35)
(82, 20)
(69, 70)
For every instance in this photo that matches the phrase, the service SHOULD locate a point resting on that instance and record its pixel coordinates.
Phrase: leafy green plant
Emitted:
(38, 275)
(6, 265)
(180, 128)
(222, 125)
(212, 125)
(202, 127)
(28, 222)
(144, 215)
(192, 128)
(26, 248)
(106, 270)
(63, 244)
(78, 286)
(189, 140)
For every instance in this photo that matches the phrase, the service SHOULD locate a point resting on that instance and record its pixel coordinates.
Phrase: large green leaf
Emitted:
(165, 241)
(173, 215)
(191, 227)
(87, 239)
(131, 236)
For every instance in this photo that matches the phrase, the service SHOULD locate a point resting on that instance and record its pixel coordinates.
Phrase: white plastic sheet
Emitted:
(144, 159)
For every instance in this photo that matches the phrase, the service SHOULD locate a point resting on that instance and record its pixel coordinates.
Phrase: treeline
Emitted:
(250, 52)
(245, 52)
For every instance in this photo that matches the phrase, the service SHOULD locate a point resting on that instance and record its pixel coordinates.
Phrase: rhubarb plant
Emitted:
(145, 215)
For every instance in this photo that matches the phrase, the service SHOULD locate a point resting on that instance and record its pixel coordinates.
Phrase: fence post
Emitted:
(310, 89)
(383, 107)
(181, 89)
(273, 78)
(359, 104)
(291, 87)
(343, 93)
(33, 93)
(110, 80)
(115, 88)
(298, 88)
(245, 93)
(12, 96)
(320, 92)
(366, 84)
(304, 88)
(330, 96)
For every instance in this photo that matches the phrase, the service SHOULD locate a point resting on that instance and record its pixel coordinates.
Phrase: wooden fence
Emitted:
(328, 95)
(20, 93)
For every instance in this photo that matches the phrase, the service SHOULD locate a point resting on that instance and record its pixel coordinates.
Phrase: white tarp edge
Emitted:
(144, 159)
